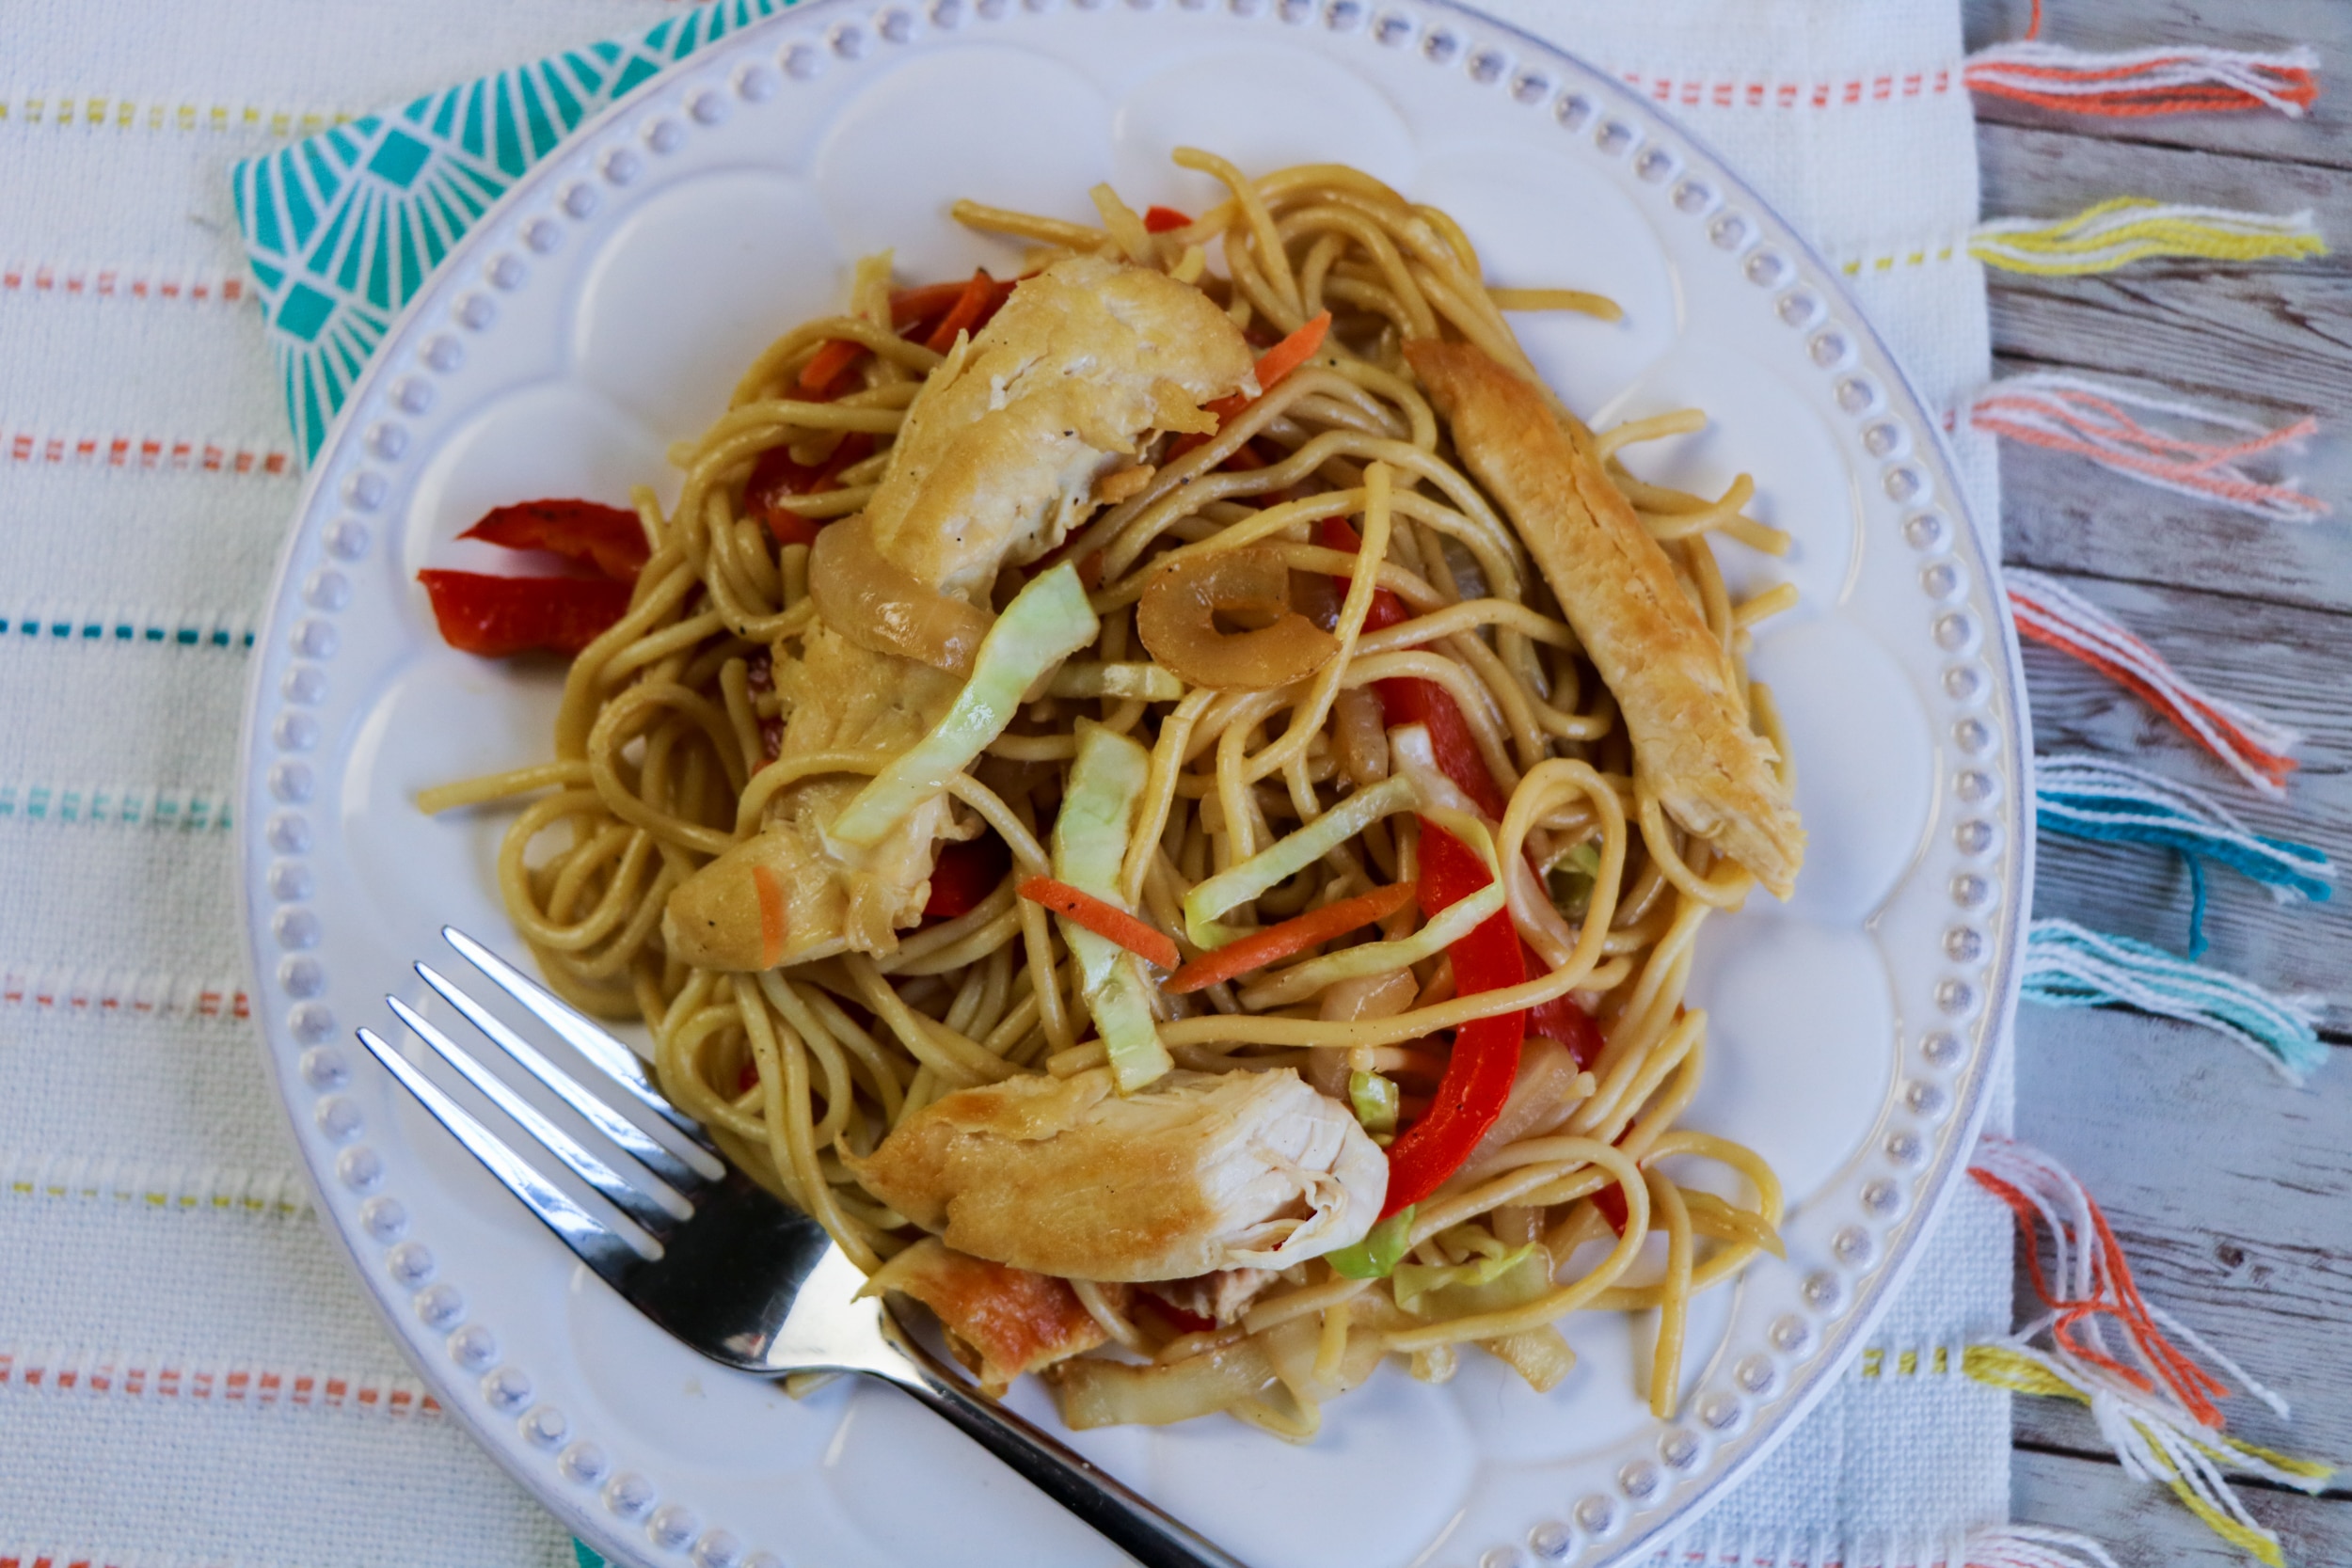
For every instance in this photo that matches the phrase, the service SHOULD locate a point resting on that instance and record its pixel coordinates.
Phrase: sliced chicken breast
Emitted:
(999, 456)
(1198, 1173)
(1672, 679)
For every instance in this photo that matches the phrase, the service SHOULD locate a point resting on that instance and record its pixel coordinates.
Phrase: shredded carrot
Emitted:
(1107, 921)
(770, 894)
(1291, 352)
(959, 316)
(1162, 220)
(910, 307)
(832, 363)
(1273, 365)
(1091, 570)
(1296, 935)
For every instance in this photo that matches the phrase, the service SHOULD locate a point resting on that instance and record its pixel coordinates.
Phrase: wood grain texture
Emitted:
(2291, 663)
(2144, 1527)
(2062, 514)
(2229, 1191)
(2324, 137)
(2232, 1190)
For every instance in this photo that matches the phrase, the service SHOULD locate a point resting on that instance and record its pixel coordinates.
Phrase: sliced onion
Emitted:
(1293, 1347)
(886, 610)
(1537, 1355)
(1360, 742)
(1544, 1095)
(1096, 1393)
(1177, 620)
(1367, 996)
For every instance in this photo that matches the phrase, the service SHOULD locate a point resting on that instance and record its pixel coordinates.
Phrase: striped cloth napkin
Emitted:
(187, 1372)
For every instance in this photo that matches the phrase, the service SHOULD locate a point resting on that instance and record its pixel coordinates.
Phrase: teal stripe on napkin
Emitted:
(342, 229)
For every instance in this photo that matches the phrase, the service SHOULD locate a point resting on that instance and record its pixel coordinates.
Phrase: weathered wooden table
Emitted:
(2232, 1190)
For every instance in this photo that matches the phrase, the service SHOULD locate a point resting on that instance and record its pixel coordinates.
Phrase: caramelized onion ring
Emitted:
(1177, 620)
(885, 610)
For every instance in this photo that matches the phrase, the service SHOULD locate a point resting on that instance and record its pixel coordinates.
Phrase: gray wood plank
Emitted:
(2231, 1193)
(2042, 172)
(2273, 335)
(2126, 24)
(2061, 513)
(2144, 1528)
(2294, 664)
(2228, 1187)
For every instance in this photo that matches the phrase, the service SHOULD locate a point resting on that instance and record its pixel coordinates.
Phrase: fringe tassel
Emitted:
(2250, 746)
(2087, 797)
(2146, 81)
(2152, 1402)
(2130, 229)
(2065, 413)
(2067, 966)
(2032, 1547)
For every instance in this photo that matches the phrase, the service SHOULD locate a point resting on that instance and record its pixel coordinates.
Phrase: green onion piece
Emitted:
(1091, 835)
(1287, 857)
(1570, 881)
(1413, 1282)
(1047, 622)
(1375, 1099)
(1146, 683)
(1382, 1248)
(1302, 980)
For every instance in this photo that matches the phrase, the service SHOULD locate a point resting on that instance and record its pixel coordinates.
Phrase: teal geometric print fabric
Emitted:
(342, 229)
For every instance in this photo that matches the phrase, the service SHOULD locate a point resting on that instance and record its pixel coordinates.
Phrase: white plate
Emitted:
(604, 309)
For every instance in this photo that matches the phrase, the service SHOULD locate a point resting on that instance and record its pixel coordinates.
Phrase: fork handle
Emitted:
(1133, 1525)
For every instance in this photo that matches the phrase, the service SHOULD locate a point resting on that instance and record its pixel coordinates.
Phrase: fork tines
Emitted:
(653, 1186)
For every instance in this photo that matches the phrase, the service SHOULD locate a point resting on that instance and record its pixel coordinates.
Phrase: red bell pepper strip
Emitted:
(1562, 1020)
(1610, 1200)
(498, 617)
(1161, 220)
(1485, 1058)
(1419, 701)
(964, 875)
(777, 475)
(609, 538)
(1411, 700)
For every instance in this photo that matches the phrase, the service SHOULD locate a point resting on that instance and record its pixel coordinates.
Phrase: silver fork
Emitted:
(738, 1274)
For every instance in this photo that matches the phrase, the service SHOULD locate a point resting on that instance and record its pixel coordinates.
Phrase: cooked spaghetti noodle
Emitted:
(665, 757)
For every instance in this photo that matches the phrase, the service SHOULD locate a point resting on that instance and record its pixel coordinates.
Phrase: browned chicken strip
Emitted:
(1672, 681)
(998, 457)
(1199, 1172)
(1008, 1321)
